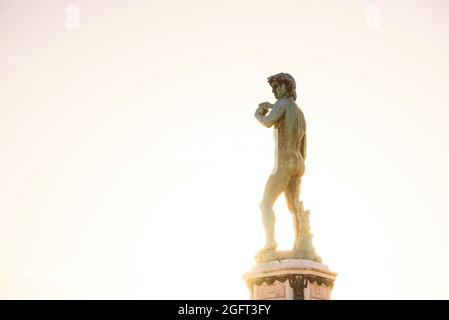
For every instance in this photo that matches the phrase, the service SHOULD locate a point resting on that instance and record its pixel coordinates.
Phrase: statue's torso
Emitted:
(291, 128)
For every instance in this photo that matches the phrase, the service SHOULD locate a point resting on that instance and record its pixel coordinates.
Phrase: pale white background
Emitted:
(131, 165)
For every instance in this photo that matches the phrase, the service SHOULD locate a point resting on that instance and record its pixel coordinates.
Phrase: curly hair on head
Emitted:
(284, 78)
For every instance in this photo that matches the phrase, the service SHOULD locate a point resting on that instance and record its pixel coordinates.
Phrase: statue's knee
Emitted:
(264, 206)
(292, 206)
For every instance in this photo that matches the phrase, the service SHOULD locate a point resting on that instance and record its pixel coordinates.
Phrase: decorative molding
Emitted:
(297, 281)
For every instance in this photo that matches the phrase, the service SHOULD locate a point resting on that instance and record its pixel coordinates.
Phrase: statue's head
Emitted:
(284, 86)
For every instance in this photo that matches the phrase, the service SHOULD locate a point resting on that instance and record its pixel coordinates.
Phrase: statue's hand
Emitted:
(264, 107)
(262, 110)
(266, 104)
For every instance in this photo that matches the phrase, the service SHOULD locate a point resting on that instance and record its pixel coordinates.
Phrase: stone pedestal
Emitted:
(291, 279)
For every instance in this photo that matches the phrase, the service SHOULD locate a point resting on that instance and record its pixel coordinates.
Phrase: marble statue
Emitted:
(291, 144)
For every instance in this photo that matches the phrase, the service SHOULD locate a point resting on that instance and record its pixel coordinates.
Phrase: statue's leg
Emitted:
(276, 184)
(292, 198)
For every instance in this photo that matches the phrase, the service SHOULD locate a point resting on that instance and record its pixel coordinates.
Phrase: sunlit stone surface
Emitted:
(296, 274)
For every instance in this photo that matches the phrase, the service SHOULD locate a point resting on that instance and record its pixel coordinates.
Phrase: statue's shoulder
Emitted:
(282, 102)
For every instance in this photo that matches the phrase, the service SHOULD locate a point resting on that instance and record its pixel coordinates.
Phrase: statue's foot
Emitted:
(269, 246)
(307, 254)
(297, 247)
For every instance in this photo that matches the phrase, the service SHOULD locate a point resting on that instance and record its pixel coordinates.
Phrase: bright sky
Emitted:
(131, 164)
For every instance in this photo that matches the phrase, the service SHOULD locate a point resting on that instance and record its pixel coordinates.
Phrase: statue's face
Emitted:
(279, 91)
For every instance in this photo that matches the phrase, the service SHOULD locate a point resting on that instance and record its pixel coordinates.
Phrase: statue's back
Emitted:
(292, 127)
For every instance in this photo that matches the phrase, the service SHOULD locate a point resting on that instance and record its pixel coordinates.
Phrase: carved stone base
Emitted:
(291, 279)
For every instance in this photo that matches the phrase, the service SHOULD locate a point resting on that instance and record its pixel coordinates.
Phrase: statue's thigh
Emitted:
(276, 184)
